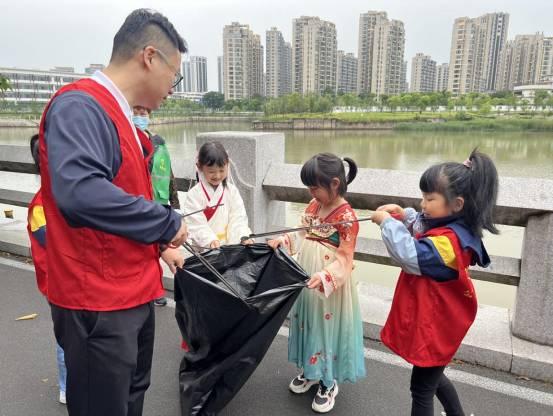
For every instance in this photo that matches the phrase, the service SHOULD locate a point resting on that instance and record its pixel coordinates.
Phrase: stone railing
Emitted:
(266, 182)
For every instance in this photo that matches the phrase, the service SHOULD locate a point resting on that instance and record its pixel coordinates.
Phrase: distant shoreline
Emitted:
(405, 122)
(34, 123)
(352, 121)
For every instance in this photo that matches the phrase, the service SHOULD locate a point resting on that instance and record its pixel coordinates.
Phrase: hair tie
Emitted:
(468, 163)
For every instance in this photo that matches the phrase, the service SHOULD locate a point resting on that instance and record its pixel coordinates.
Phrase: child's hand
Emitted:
(247, 242)
(274, 244)
(314, 282)
(396, 211)
(379, 216)
(215, 244)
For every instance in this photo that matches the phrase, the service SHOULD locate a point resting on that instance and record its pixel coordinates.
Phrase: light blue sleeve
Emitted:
(409, 217)
(400, 244)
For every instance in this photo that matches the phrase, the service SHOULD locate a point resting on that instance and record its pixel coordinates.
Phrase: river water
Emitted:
(520, 154)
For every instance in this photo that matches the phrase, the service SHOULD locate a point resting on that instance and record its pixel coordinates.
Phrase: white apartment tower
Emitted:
(526, 60)
(314, 50)
(380, 55)
(442, 75)
(242, 62)
(476, 46)
(423, 73)
(278, 64)
(220, 74)
(346, 72)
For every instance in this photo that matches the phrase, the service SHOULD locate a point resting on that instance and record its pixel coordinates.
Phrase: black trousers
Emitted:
(427, 382)
(108, 357)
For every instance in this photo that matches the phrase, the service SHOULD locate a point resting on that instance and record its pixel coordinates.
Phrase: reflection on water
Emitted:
(515, 154)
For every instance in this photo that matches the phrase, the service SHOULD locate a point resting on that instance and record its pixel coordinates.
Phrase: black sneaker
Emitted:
(160, 301)
(301, 385)
(324, 399)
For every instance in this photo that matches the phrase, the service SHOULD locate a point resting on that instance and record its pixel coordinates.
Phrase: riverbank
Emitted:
(15, 122)
(207, 118)
(34, 120)
(406, 121)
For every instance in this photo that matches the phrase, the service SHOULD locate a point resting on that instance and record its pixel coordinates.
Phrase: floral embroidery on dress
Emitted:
(310, 219)
(345, 229)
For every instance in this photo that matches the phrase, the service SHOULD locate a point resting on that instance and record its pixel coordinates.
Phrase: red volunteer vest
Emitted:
(429, 319)
(210, 211)
(38, 253)
(87, 268)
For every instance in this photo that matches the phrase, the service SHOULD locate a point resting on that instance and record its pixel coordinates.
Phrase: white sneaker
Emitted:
(62, 399)
(324, 399)
(301, 385)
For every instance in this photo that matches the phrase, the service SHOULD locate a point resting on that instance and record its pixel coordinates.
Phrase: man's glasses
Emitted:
(178, 75)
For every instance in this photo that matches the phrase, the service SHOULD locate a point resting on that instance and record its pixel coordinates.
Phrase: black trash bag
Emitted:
(225, 337)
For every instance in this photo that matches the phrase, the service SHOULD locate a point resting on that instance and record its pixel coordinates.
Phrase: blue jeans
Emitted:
(62, 370)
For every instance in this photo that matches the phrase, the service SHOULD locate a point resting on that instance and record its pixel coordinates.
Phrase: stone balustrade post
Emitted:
(533, 315)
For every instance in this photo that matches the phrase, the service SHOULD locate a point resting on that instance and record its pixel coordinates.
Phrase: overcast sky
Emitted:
(47, 33)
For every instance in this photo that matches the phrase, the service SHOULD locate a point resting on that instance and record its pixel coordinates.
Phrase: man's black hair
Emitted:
(145, 27)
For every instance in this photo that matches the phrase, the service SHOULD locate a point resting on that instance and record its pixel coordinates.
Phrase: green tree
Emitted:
(348, 100)
(383, 101)
(394, 102)
(4, 85)
(214, 100)
(423, 103)
(540, 97)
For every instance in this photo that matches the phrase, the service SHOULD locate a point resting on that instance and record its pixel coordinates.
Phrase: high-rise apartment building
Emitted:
(242, 62)
(278, 64)
(476, 46)
(380, 55)
(423, 73)
(346, 72)
(314, 50)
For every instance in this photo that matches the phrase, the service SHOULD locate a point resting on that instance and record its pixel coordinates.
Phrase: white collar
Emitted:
(213, 193)
(107, 83)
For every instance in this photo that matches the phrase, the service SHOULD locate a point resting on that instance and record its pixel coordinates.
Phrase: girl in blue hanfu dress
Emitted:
(326, 334)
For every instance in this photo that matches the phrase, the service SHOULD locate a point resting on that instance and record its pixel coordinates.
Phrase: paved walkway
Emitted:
(28, 372)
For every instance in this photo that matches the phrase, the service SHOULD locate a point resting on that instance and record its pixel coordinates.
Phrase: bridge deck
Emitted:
(28, 371)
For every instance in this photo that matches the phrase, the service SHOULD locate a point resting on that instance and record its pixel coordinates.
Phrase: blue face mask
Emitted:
(141, 122)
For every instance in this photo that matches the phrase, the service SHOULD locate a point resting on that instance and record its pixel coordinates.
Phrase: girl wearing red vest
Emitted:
(225, 220)
(435, 303)
(36, 228)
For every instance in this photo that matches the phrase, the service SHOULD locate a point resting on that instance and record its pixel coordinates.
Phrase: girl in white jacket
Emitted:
(224, 220)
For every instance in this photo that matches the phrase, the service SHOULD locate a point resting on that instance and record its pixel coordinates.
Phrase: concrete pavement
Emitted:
(28, 374)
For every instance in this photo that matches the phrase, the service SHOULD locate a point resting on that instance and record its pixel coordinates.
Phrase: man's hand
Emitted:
(173, 258)
(181, 236)
(215, 244)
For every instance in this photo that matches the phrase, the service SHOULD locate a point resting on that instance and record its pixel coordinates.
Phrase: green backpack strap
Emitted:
(161, 171)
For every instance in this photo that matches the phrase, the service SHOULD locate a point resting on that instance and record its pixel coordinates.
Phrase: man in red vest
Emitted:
(104, 231)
